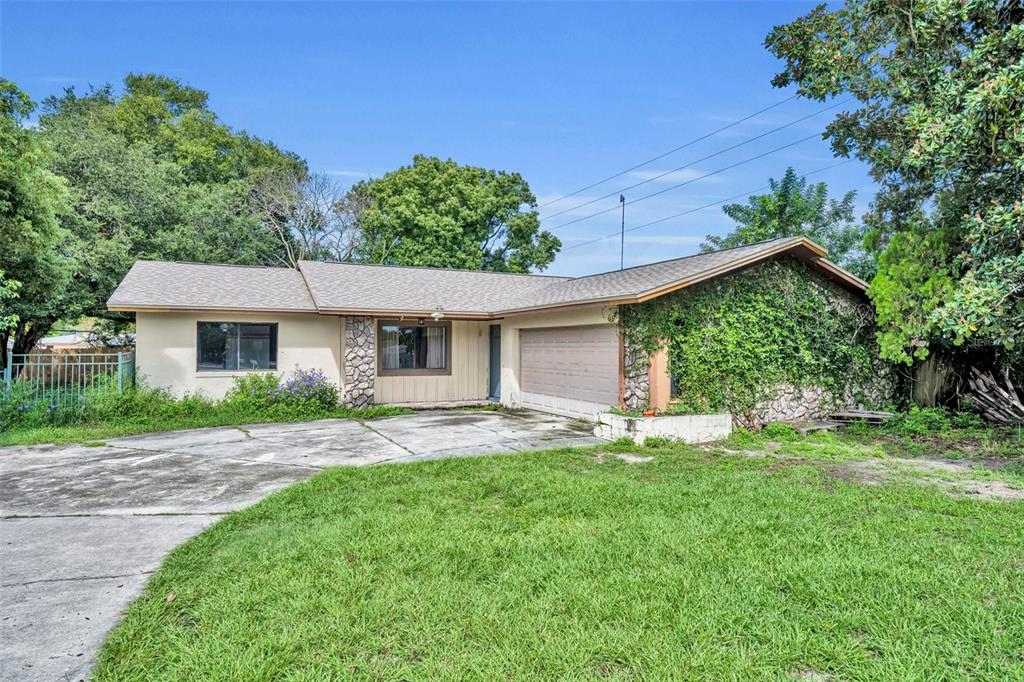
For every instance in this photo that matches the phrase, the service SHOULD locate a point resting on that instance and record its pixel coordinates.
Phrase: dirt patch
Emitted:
(626, 457)
(953, 476)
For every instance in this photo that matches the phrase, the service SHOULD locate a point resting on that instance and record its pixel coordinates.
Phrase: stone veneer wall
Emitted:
(809, 402)
(637, 386)
(360, 361)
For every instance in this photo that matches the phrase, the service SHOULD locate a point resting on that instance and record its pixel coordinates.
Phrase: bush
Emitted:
(967, 420)
(307, 391)
(255, 391)
(306, 394)
(921, 421)
(777, 431)
(658, 442)
(310, 385)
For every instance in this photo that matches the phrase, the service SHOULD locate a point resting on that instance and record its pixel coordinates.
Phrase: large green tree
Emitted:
(793, 208)
(37, 256)
(153, 174)
(941, 125)
(441, 214)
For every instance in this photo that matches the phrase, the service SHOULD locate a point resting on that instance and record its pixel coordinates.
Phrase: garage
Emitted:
(569, 370)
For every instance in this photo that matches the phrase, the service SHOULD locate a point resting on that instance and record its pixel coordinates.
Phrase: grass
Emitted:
(93, 432)
(700, 564)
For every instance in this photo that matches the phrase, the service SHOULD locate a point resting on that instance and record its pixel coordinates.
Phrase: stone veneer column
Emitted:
(360, 361)
(636, 389)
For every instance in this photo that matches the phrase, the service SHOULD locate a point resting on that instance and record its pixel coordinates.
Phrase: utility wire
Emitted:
(688, 182)
(669, 152)
(699, 208)
(700, 160)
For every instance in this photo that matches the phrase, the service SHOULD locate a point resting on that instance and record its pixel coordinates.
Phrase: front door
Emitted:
(494, 378)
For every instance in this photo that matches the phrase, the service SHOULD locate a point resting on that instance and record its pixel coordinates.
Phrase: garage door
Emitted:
(569, 370)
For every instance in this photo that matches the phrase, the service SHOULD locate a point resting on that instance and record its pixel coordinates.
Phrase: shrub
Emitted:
(777, 431)
(255, 391)
(967, 420)
(921, 421)
(658, 442)
(305, 392)
(310, 385)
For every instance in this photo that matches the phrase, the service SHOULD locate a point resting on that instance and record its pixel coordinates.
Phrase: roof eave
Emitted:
(133, 307)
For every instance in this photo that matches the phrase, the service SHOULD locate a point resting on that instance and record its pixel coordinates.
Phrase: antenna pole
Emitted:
(622, 239)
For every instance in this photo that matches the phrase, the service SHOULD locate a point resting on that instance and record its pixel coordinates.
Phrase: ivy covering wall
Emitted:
(738, 343)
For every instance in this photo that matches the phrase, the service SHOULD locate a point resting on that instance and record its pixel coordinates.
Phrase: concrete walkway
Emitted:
(83, 527)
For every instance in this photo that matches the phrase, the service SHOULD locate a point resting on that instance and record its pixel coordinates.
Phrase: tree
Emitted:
(440, 214)
(37, 256)
(8, 294)
(153, 174)
(941, 124)
(313, 217)
(794, 208)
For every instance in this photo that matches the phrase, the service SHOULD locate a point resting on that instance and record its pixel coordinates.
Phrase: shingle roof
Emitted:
(353, 288)
(157, 284)
(643, 279)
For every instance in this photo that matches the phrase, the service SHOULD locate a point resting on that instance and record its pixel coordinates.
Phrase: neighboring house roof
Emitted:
(195, 286)
(337, 288)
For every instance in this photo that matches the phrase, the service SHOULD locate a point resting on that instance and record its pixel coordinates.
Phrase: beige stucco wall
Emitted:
(166, 348)
(468, 380)
(510, 326)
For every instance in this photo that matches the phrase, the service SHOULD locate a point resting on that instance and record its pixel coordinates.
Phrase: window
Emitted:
(236, 346)
(414, 348)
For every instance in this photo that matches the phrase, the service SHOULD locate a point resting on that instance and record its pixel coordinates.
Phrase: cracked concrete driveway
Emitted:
(83, 527)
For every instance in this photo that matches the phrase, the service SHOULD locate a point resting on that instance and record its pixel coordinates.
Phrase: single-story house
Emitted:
(413, 335)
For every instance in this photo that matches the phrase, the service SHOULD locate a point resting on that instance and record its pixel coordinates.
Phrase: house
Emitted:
(411, 335)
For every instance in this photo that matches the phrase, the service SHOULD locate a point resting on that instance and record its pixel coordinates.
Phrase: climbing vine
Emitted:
(736, 343)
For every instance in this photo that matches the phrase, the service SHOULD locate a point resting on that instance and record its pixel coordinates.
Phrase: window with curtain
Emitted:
(413, 348)
(236, 346)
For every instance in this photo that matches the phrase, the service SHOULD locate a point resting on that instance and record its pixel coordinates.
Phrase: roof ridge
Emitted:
(220, 265)
(433, 269)
(692, 255)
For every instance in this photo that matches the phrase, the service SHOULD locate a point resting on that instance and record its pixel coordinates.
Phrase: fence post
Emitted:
(7, 372)
(120, 373)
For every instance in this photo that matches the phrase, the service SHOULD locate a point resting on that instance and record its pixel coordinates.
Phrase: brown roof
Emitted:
(375, 289)
(197, 286)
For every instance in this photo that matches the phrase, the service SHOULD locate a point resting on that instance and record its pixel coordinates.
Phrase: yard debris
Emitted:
(998, 401)
(871, 417)
(171, 597)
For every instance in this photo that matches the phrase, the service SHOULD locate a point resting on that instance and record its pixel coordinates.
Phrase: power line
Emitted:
(669, 152)
(705, 158)
(690, 181)
(699, 208)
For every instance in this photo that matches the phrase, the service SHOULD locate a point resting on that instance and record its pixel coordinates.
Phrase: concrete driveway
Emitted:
(83, 527)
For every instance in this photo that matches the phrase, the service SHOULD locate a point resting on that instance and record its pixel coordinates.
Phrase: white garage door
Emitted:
(570, 370)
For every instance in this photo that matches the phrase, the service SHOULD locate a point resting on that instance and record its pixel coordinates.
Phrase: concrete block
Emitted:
(695, 428)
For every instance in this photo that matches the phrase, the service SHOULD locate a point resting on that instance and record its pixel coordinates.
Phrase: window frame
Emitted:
(414, 322)
(238, 347)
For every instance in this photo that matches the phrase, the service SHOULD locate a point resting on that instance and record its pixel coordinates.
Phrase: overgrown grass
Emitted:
(106, 413)
(553, 565)
(112, 428)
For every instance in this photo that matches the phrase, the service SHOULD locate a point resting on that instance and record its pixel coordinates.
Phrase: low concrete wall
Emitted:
(688, 428)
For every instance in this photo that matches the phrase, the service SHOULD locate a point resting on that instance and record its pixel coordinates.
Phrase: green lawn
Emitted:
(702, 563)
(114, 427)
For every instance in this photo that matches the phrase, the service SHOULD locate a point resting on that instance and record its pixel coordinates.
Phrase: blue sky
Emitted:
(565, 94)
